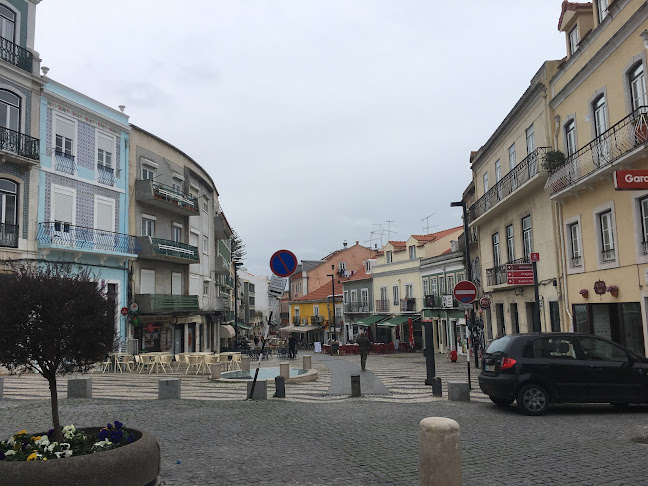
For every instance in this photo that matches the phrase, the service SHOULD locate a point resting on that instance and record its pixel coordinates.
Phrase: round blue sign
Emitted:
(283, 263)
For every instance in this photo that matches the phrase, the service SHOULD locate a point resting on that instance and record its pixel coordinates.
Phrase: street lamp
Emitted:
(237, 264)
(332, 309)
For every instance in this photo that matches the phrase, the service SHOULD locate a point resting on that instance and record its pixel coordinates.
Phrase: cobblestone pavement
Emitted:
(214, 436)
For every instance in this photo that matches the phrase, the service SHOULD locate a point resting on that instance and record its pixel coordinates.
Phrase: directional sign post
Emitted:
(283, 263)
(519, 274)
(465, 292)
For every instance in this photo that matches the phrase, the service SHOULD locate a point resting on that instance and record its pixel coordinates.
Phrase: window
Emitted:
(346, 297)
(105, 149)
(383, 294)
(412, 252)
(342, 268)
(426, 286)
(104, 214)
(206, 288)
(176, 283)
(643, 206)
(530, 139)
(148, 226)
(512, 157)
(8, 208)
(367, 265)
(510, 244)
(205, 207)
(496, 250)
(409, 291)
(573, 40)
(364, 296)
(176, 184)
(176, 233)
(442, 287)
(637, 87)
(600, 117)
(451, 283)
(388, 256)
(527, 236)
(395, 294)
(554, 348)
(460, 277)
(574, 238)
(9, 110)
(64, 136)
(570, 137)
(498, 177)
(433, 286)
(147, 281)
(7, 23)
(64, 210)
(354, 296)
(205, 245)
(602, 9)
(316, 310)
(485, 182)
(595, 349)
(607, 236)
(148, 172)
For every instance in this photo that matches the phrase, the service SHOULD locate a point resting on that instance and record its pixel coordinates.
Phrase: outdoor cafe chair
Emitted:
(164, 362)
(195, 362)
(105, 365)
(235, 362)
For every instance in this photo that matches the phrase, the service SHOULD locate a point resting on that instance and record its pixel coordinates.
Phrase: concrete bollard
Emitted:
(355, 386)
(245, 363)
(436, 387)
(216, 370)
(260, 390)
(80, 388)
(308, 362)
(169, 388)
(284, 370)
(439, 452)
(280, 387)
(458, 392)
(1, 387)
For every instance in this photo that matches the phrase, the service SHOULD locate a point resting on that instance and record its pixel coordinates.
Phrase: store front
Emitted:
(155, 333)
(620, 323)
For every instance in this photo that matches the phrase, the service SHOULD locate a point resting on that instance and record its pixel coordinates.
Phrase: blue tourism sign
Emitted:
(283, 263)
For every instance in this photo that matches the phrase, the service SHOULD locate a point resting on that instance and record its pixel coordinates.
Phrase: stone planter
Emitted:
(136, 464)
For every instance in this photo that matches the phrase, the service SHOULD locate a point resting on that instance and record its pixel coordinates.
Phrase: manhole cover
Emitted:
(640, 440)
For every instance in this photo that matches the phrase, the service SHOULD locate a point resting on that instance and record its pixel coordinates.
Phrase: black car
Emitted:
(538, 369)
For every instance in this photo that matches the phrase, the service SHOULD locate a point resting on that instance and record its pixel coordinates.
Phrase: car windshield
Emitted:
(499, 345)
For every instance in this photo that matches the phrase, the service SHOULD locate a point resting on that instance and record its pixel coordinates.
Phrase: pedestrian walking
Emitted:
(364, 345)
(256, 342)
(291, 347)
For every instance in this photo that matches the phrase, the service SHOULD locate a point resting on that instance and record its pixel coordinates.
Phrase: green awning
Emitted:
(398, 320)
(243, 326)
(368, 321)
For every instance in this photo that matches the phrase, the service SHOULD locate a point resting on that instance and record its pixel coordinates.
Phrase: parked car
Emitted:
(543, 368)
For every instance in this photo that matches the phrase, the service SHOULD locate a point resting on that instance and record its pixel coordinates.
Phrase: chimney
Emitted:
(357, 242)
(345, 243)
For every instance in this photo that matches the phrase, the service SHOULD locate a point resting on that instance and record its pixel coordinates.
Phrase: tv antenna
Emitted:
(426, 226)
(389, 231)
(379, 232)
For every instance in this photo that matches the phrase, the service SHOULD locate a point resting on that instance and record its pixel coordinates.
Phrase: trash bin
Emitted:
(452, 356)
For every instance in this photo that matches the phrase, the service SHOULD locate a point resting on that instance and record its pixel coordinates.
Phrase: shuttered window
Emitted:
(104, 214)
(147, 281)
(64, 206)
(176, 283)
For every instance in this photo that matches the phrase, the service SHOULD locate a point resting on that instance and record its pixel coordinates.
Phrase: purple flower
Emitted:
(130, 438)
(103, 433)
(116, 436)
(110, 426)
(118, 424)
(2, 456)
(50, 433)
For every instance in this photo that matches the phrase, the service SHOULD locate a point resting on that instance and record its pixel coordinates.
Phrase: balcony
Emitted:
(623, 142)
(165, 197)
(222, 230)
(54, 235)
(497, 275)
(523, 172)
(316, 320)
(155, 303)
(433, 301)
(408, 305)
(105, 175)
(167, 250)
(16, 55)
(382, 306)
(221, 303)
(296, 320)
(220, 266)
(65, 163)
(357, 307)
(284, 315)
(9, 235)
(18, 148)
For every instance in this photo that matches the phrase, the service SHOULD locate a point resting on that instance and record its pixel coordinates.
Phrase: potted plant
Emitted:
(57, 321)
(614, 290)
(553, 160)
(584, 293)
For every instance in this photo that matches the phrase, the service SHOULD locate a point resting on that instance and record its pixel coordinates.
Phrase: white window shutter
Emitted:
(176, 284)
(147, 281)
(106, 144)
(63, 207)
(105, 216)
(65, 128)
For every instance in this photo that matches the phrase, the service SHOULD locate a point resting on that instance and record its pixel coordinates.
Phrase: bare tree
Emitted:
(54, 321)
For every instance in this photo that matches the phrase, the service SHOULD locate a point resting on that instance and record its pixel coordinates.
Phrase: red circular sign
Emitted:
(484, 302)
(149, 327)
(124, 311)
(465, 292)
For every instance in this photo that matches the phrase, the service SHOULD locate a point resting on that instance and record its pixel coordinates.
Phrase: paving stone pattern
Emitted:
(214, 436)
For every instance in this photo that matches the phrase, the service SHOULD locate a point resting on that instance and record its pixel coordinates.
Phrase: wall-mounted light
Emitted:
(644, 36)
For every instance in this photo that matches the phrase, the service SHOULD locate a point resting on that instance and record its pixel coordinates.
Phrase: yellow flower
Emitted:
(32, 457)
(35, 438)
(23, 431)
(44, 458)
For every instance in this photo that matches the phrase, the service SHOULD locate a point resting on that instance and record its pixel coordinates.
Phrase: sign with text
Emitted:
(277, 285)
(519, 281)
(519, 273)
(535, 257)
(631, 179)
(465, 291)
(446, 301)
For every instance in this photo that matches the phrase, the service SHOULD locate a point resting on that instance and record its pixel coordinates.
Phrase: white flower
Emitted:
(65, 446)
(43, 441)
(11, 441)
(60, 454)
(68, 431)
(102, 443)
(51, 446)
(10, 453)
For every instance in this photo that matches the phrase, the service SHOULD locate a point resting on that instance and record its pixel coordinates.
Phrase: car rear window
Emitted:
(499, 345)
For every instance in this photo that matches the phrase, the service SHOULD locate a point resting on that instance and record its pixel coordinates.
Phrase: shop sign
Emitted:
(149, 327)
(134, 307)
(124, 311)
(157, 320)
(631, 179)
(599, 287)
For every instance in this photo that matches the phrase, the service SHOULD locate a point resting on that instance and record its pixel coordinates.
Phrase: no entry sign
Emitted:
(465, 292)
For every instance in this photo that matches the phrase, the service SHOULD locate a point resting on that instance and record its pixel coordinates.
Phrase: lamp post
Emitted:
(332, 310)
(462, 205)
(236, 265)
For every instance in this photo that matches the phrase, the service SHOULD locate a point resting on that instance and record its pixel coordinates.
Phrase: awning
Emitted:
(243, 326)
(189, 319)
(398, 320)
(299, 328)
(368, 321)
(227, 331)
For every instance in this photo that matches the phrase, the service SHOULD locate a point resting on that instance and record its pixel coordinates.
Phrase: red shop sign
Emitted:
(631, 179)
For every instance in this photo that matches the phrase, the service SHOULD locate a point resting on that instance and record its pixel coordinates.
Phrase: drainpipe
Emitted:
(563, 258)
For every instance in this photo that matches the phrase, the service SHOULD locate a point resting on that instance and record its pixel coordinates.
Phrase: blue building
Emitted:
(83, 190)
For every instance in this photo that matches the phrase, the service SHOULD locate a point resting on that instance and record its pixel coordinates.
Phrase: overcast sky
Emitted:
(319, 120)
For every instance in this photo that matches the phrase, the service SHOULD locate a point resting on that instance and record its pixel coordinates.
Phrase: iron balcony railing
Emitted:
(408, 305)
(105, 175)
(316, 320)
(577, 261)
(16, 55)
(608, 255)
(81, 238)
(167, 303)
(19, 143)
(645, 247)
(436, 301)
(284, 315)
(351, 307)
(382, 306)
(296, 320)
(9, 235)
(528, 168)
(174, 249)
(174, 196)
(497, 275)
(603, 151)
(65, 163)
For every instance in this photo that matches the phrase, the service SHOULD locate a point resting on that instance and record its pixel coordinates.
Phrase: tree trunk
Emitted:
(58, 436)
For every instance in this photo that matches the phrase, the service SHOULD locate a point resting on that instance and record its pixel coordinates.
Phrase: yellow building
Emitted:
(598, 98)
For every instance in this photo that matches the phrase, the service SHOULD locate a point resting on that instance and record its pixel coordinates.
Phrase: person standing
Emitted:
(364, 345)
(291, 347)
(256, 342)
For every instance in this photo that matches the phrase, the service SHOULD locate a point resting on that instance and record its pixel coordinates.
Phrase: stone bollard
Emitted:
(260, 390)
(458, 391)
(1, 386)
(355, 386)
(308, 362)
(284, 370)
(280, 387)
(169, 388)
(245, 363)
(80, 388)
(436, 387)
(216, 369)
(439, 452)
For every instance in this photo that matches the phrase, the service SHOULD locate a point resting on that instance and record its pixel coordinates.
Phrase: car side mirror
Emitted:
(631, 359)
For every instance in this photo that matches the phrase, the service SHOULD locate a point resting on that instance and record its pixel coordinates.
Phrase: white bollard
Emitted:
(216, 369)
(439, 452)
(284, 369)
(308, 362)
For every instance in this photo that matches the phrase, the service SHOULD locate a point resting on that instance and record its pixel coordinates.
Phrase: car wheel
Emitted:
(533, 399)
(501, 402)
